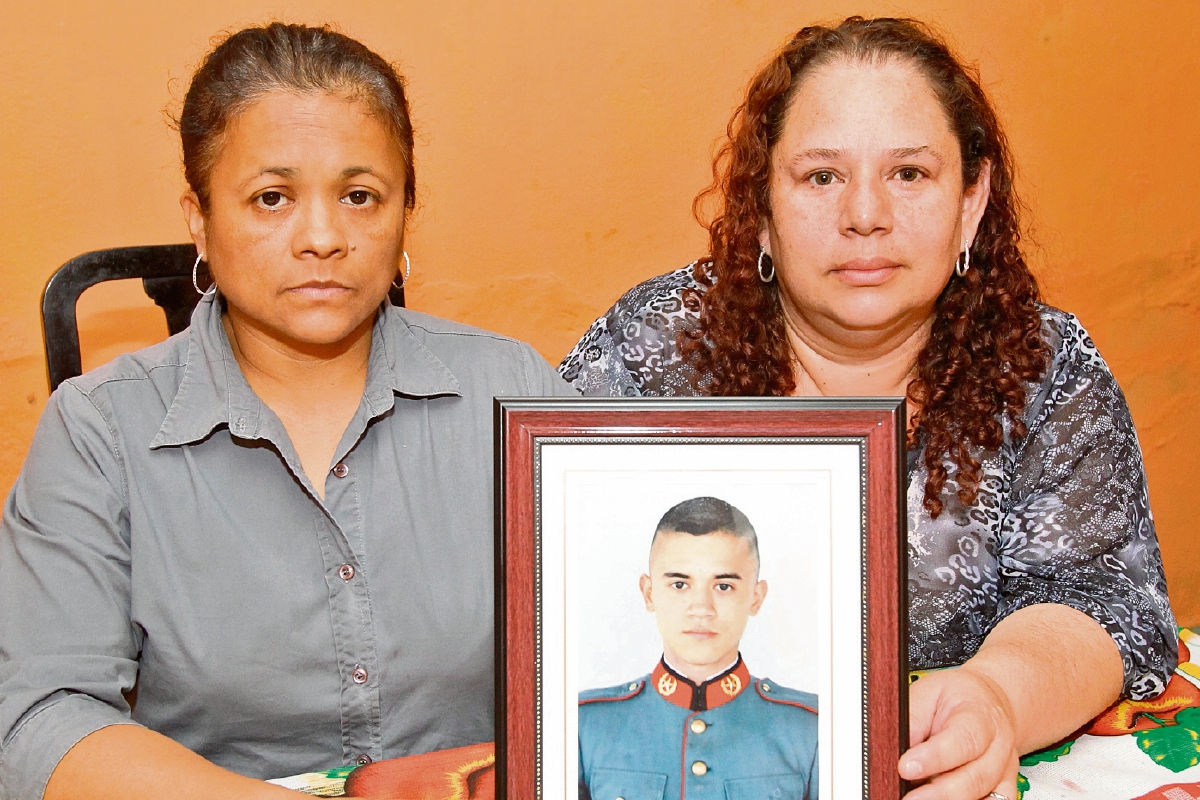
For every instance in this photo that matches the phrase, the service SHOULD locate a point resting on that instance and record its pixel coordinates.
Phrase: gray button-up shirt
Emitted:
(162, 533)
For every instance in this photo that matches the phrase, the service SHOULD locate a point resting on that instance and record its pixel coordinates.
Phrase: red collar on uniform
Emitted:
(678, 690)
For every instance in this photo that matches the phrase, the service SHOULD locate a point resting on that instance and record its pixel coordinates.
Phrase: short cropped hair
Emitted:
(701, 516)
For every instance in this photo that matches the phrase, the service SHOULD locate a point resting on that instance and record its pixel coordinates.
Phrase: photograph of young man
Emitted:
(699, 724)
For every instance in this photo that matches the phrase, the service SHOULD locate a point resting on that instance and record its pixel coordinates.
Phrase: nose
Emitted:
(701, 606)
(866, 207)
(318, 233)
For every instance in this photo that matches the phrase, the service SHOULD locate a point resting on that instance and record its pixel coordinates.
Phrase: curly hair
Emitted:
(985, 341)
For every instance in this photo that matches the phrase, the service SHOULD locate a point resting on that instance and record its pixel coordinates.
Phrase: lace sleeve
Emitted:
(1079, 529)
(631, 351)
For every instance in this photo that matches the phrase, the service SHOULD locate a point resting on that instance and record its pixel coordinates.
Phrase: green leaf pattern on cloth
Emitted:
(1043, 756)
(1177, 746)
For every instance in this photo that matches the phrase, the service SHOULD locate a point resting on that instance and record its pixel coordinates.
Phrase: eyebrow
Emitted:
(822, 153)
(909, 152)
(724, 576)
(350, 172)
(292, 173)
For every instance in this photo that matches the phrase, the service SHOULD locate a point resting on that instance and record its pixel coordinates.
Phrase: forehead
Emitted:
(285, 127)
(707, 552)
(854, 104)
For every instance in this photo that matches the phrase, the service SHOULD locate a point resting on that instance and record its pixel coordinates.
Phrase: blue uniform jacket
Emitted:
(734, 737)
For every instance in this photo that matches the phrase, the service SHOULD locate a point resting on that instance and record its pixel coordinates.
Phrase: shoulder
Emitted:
(774, 693)
(478, 356)
(153, 362)
(1067, 340)
(435, 332)
(631, 349)
(613, 694)
(662, 294)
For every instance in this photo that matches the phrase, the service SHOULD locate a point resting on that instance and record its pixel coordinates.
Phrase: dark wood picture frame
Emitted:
(522, 426)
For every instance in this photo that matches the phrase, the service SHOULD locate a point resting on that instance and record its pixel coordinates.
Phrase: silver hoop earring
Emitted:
(764, 275)
(196, 283)
(407, 269)
(963, 262)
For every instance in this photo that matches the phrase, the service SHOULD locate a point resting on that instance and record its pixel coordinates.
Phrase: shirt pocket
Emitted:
(773, 787)
(612, 784)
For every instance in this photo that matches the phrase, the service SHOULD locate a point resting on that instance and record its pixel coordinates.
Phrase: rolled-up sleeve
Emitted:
(1079, 530)
(68, 649)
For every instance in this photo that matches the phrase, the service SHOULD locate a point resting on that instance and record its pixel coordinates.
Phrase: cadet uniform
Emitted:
(734, 737)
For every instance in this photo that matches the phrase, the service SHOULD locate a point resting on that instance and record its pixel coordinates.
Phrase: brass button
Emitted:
(766, 687)
(699, 768)
(359, 675)
(699, 726)
(346, 572)
(341, 470)
(363, 760)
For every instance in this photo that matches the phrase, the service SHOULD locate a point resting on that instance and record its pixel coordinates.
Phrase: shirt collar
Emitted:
(714, 692)
(214, 392)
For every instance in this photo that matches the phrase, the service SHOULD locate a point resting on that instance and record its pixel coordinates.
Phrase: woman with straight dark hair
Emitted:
(264, 546)
(866, 241)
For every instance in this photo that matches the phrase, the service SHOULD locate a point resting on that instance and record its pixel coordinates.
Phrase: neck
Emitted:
(291, 372)
(832, 360)
(699, 673)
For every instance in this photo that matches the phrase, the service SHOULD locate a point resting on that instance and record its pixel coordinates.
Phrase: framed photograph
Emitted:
(700, 597)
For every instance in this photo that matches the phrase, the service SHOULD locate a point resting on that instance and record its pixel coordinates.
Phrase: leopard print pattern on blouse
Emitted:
(1062, 515)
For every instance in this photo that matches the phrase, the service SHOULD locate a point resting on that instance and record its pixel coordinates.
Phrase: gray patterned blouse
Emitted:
(1062, 515)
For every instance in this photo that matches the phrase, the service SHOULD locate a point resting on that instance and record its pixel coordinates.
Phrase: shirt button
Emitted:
(699, 726)
(699, 768)
(359, 675)
(363, 760)
(346, 572)
(341, 470)
(766, 687)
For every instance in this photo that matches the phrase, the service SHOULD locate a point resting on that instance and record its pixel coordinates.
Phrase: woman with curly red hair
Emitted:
(867, 242)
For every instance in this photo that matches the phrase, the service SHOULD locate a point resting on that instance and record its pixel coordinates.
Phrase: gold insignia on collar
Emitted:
(667, 685)
(731, 684)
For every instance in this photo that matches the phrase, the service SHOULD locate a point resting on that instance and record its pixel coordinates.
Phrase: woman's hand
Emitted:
(963, 728)
(1043, 671)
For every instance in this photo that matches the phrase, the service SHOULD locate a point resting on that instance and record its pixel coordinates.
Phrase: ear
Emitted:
(645, 584)
(759, 593)
(975, 200)
(193, 215)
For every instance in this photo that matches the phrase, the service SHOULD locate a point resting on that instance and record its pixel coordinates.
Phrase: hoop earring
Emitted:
(764, 275)
(963, 262)
(407, 269)
(196, 283)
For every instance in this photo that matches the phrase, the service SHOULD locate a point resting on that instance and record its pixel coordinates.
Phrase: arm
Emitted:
(1041, 674)
(1082, 616)
(70, 648)
(126, 762)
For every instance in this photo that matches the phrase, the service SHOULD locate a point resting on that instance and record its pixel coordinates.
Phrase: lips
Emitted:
(700, 634)
(320, 290)
(866, 271)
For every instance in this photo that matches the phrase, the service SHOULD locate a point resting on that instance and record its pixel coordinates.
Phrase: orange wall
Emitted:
(561, 145)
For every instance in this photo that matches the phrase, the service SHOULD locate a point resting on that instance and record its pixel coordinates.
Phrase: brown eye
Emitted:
(822, 178)
(908, 174)
(359, 198)
(270, 199)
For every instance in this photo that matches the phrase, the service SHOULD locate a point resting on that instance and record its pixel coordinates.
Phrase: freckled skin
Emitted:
(702, 590)
(867, 171)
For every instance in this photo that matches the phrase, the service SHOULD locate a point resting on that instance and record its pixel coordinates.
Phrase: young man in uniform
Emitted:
(699, 726)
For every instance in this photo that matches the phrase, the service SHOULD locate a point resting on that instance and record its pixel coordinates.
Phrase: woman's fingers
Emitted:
(994, 771)
(964, 736)
(965, 739)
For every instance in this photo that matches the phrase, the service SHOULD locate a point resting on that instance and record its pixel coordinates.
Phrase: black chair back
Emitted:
(166, 273)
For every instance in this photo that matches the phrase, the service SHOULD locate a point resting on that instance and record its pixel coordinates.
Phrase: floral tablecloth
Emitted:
(1137, 750)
